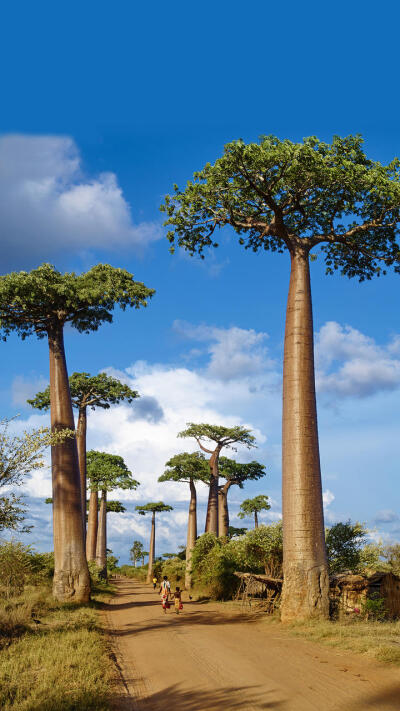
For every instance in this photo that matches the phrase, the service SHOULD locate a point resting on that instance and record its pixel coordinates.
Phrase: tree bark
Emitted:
(255, 519)
(306, 582)
(91, 538)
(152, 548)
(191, 534)
(101, 545)
(223, 511)
(81, 443)
(212, 506)
(71, 575)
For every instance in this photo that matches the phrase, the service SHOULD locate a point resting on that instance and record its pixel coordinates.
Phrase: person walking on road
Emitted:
(178, 600)
(154, 583)
(165, 590)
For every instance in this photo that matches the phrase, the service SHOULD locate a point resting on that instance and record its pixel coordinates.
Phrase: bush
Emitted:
(175, 569)
(373, 608)
(15, 566)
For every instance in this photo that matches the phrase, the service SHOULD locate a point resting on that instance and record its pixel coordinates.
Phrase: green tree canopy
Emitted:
(153, 507)
(221, 436)
(93, 391)
(36, 302)
(136, 551)
(238, 473)
(277, 194)
(185, 467)
(108, 471)
(253, 506)
(344, 543)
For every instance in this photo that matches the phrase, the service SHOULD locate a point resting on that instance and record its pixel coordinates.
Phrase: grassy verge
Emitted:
(58, 663)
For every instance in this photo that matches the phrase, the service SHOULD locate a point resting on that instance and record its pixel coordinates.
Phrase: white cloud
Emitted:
(234, 352)
(23, 389)
(350, 364)
(327, 497)
(386, 516)
(48, 204)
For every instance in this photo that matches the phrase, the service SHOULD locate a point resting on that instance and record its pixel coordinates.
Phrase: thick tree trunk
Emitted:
(152, 548)
(223, 511)
(191, 534)
(212, 506)
(255, 519)
(81, 443)
(91, 538)
(71, 575)
(101, 545)
(306, 582)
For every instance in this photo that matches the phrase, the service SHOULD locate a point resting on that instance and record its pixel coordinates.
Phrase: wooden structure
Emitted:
(349, 593)
(259, 591)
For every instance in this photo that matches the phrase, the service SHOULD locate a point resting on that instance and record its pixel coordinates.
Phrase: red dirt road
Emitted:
(208, 659)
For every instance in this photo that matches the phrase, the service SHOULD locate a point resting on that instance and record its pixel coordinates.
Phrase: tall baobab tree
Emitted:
(237, 474)
(220, 437)
(41, 303)
(277, 196)
(188, 468)
(92, 391)
(252, 507)
(153, 508)
(106, 472)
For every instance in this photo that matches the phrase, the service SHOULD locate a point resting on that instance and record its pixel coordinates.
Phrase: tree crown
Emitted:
(277, 194)
(185, 467)
(221, 436)
(153, 507)
(106, 472)
(136, 551)
(238, 473)
(250, 506)
(93, 391)
(44, 299)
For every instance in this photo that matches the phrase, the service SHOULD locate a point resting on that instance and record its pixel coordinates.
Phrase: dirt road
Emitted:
(207, 659)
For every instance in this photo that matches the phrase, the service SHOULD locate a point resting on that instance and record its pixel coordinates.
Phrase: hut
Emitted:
(260, 591)
(349, 593)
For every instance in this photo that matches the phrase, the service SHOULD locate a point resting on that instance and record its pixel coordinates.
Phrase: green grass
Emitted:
(61, 664)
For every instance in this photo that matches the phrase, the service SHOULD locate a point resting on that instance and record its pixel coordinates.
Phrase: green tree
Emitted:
(136, 552)
(19, 456)
(391, 554)
(233, 531)
(278, 196)
(220, 437)
(236, 474)
(266, 544)
(153, 508)
(250, 507)
(344, 543)
(92, 391)
(42, 302)
(188, 468)
(106, 472)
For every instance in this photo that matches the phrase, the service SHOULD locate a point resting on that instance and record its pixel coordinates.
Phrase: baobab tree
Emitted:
(106, 472)
(153, 508)
(250, 507)
(92, 391)
(136, 552)
(221, 437)
(41, 303)
(277, 196)
(188, 468)
(236, 474)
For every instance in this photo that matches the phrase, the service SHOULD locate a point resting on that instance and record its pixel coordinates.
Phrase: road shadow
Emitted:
(385, 700)
(188, 619)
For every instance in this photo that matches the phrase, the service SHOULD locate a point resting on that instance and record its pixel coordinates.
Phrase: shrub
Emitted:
(15, 567)
(373, 608)
(264, 546)
(174, 568)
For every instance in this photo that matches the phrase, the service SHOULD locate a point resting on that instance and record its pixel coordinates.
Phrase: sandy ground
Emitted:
(209, 659)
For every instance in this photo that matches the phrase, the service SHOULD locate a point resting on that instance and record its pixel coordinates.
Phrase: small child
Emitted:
(178, 600)
(154, 583)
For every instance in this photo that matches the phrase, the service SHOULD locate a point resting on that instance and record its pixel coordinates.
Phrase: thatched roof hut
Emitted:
(349, 593)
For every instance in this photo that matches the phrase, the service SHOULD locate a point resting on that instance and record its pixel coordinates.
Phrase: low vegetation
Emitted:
(43, 642)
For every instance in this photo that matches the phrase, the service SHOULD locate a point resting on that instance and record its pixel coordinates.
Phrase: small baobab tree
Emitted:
(153, 508)
(188, 468)
(106, 472)
(42, 302)
(92, 391)
(252, 507)
(220, 437)
(136, 552)
(297, 197)
(236, 474)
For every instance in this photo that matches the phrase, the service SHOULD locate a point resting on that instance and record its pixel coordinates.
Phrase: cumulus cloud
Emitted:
(233, 352)
(48, 204)
(351, 364)
(327, 497)
(386, 516)
(23, 389)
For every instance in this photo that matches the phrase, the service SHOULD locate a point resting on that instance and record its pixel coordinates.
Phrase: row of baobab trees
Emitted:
(309, 199)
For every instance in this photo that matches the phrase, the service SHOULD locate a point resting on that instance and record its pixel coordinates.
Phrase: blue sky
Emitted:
(104, 107)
